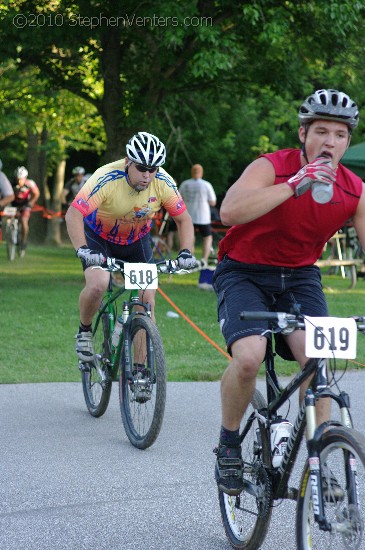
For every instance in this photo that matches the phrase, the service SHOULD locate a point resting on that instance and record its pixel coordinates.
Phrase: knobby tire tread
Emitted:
(258, 533)
(98, 409)
(130, 415)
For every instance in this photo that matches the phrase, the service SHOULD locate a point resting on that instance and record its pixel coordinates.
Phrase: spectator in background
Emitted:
(73, 185)
(199, 196)
(26, 195)
(6, 190)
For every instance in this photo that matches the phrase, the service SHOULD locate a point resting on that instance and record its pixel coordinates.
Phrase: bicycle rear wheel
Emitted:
(142, 396)
(343, 450)
(96, 377)
(246, 517)
(11, 238)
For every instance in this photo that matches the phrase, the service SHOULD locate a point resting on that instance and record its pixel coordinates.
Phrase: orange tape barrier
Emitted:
(46, 212)
(193, 324)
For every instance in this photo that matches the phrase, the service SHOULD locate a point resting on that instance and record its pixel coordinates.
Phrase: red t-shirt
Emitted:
(294, 233)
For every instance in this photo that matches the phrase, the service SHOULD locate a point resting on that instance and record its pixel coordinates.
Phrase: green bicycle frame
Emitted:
(109, 305)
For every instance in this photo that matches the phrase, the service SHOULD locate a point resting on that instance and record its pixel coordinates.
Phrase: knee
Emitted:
(247, 370)
(95, 288)
(247, 365)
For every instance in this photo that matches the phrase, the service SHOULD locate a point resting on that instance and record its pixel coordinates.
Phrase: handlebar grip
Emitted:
(168, 266)
(259, 316)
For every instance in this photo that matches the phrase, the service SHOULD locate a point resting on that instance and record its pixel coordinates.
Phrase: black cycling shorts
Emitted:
(250, 287)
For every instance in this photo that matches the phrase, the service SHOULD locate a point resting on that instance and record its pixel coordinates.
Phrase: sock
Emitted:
(84, 328)
(229, 438)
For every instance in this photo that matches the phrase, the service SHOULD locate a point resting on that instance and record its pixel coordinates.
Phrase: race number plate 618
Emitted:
(140, 276)
(330, 337)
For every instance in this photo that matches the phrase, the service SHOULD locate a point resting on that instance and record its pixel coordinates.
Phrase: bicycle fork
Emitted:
(314, 436)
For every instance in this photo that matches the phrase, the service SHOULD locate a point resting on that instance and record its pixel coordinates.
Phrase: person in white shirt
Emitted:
(199, 196)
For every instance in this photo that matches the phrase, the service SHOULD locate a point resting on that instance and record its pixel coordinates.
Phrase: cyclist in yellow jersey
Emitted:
(111, 216)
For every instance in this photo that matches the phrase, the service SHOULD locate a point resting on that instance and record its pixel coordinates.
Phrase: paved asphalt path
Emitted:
(72, 482)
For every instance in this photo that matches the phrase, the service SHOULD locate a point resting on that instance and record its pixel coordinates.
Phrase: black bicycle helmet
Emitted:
(147, 149)
(329, 105)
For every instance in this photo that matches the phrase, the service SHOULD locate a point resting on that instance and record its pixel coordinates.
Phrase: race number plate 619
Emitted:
(140, 276)
(330, 337)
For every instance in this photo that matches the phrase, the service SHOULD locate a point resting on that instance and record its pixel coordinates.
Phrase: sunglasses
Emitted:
(142, 168)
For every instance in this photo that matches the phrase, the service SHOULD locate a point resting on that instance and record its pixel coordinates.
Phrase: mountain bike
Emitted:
(331, 493)
(13, 232)
(135, 354)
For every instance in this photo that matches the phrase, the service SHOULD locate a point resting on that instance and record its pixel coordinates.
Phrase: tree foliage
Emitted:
(218, 81)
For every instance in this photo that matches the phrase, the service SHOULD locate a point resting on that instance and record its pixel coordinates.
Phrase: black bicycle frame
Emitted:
(276, 397)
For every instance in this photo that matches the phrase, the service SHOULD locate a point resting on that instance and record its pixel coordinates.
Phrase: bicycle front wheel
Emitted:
(142, 395)
(96, 377)
(246, 517)
(11, 238)
(343, 452)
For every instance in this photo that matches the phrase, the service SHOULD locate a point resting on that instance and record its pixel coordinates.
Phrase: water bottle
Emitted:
(117, 331)
(322, 192)
(280, 432)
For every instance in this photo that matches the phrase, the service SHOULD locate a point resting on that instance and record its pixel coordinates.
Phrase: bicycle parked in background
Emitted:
(331, 494)
(12, 232)
(128, 345)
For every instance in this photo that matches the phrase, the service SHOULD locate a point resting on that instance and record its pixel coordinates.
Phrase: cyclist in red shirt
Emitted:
(26, 195)
(266, 259)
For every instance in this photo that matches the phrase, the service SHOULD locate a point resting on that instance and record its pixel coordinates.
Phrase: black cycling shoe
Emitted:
(228, 469)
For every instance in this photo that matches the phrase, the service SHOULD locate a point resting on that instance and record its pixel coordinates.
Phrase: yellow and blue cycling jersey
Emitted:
(118, 213)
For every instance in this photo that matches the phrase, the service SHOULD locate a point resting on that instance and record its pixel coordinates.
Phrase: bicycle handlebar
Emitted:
(165, 266)
(289, 320)
(267, 316)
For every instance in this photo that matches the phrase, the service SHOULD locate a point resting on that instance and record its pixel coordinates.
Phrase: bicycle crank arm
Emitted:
(253, 489)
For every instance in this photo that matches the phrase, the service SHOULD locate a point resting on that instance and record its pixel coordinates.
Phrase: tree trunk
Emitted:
(111, 110)
(54, 223)
(32, 157)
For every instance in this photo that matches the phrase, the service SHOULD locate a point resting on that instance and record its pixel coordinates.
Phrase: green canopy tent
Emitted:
(354, 158)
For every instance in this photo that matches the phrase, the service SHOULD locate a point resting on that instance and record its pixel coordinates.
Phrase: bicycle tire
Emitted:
(246, 518)
(11, 239)
(142, 400)
(96, 380)
(346, 517)
(19, 240)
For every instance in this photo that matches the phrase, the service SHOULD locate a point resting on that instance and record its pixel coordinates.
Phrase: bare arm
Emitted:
(75, 227)
(253, 194)
(185, 230)
(6, 200)
(35, 194)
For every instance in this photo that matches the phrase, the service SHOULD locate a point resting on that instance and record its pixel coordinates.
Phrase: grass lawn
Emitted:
(39, 295)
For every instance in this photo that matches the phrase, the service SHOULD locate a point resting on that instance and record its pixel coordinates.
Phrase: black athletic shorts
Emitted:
(139, 251)
(250, 287)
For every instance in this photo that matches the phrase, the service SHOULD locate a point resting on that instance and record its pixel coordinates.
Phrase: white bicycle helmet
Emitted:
(331, 105)
(78, 170)
(21, 172)
(144, 148)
